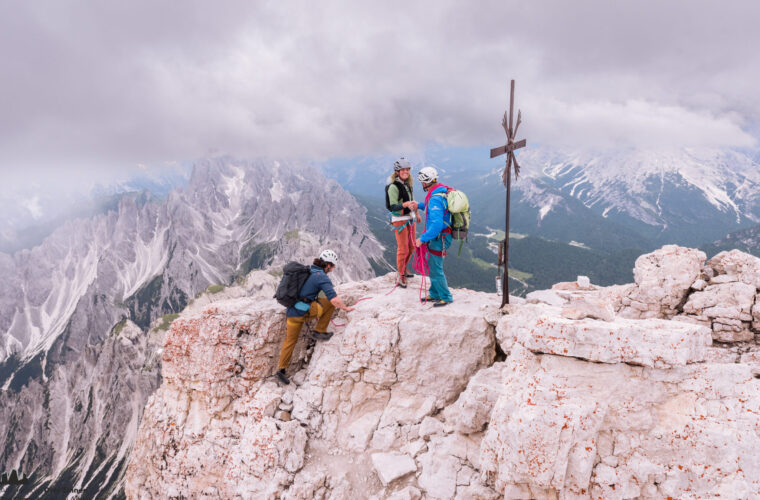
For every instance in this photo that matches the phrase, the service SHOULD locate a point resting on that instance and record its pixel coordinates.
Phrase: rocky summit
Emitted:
(646, 390)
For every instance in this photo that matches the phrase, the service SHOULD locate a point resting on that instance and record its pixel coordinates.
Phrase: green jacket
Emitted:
(395, 199)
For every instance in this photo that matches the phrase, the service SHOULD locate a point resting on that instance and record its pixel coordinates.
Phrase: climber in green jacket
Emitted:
(399, 199)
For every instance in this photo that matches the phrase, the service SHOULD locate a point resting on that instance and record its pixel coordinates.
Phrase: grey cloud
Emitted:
(105, 86)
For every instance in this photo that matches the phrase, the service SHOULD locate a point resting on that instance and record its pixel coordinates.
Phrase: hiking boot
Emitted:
(408, 275)
(440, 303)
(429, 299)
(321, 335)
(281, 377)
(401, 284)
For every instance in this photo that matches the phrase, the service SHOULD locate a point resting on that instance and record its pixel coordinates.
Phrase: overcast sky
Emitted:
(106, 86)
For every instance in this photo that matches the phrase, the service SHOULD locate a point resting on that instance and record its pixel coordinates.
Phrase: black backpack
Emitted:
(293, 278)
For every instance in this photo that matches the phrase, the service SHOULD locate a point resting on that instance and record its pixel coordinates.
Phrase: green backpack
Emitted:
(459, 208)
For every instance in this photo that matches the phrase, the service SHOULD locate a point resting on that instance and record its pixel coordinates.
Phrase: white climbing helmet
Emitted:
(401, 164)
(329, 256)
(427, 175)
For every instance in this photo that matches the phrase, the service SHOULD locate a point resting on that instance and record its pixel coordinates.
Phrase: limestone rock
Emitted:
(414, 447)
(649, 342)
(472, 410)
(215, 335)
(588, 307)
(740, 266)
(307, 484)
(430, 426)
(441, 465)
(287, 397)
(721, 355)
(752, 359)
(477, 491)
(550, 297)
(408, 493)
(582, 283)
(694, 320)
(663, 279)
(385, 438)
(283, 415)
(251, 460)
(408, 401)
(700, 284)
(557, 417)
(618, 296)
(391, 466)
(724, 278)
(382, 375)
(728, 306)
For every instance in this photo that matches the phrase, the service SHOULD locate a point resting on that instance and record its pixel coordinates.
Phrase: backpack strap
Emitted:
(443, 195)
(447, 229)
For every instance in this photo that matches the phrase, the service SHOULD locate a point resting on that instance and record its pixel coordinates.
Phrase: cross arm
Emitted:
(508, 148)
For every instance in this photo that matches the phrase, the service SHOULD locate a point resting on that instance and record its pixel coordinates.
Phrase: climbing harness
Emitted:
(398, 230)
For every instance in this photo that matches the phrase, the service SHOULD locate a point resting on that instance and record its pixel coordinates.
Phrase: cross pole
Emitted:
(509, 148)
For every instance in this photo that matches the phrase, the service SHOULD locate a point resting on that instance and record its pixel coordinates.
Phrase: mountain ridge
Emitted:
(682, 196)
(82, 314)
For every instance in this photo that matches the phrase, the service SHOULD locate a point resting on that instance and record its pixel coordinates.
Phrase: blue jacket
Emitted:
(437, 216)
(315, 283)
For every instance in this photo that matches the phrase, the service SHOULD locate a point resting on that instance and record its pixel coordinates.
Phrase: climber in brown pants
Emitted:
(320, 308)
(310, 307)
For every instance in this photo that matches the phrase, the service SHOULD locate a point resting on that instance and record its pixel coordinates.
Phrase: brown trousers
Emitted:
(404, 246)
(322, 309)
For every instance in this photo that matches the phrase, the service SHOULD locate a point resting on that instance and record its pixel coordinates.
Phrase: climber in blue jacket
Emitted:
(437, 234)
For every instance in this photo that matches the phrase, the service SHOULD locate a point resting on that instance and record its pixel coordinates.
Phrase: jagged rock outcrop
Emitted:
(548, 398)
(63, 300)
(662, 280)
(366, 391)
(676, 283)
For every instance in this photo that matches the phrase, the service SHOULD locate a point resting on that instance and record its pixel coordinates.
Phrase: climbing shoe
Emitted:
(321, 335)
(429, 299)
(281, 377)
(408, 275)
(440, 303)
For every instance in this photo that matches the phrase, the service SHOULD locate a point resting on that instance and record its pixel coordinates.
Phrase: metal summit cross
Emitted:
(506, 176)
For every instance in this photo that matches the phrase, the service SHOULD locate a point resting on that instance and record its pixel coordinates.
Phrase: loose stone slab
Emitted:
(391, 466)
(650, 342)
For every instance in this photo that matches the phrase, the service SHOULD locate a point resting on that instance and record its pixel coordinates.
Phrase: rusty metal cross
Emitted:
(509, 148)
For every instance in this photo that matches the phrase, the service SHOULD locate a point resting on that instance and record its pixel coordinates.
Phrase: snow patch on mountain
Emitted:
(635, 181)
(276, 191)
(544, 210)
